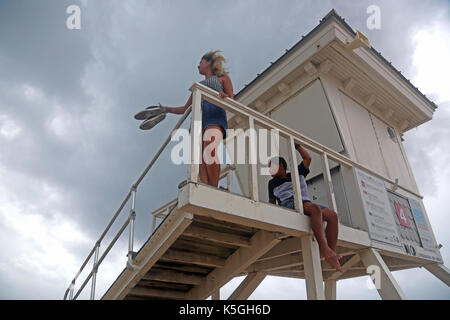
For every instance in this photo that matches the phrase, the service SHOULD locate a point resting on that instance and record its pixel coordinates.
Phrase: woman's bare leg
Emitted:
(212, 138)
(203, 174)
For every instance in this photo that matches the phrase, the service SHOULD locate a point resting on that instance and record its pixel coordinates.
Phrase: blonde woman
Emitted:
(214, 118)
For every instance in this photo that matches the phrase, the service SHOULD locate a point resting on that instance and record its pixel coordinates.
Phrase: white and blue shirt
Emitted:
(282, 190)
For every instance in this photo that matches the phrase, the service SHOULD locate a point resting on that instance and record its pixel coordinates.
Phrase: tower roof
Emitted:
(334, 16)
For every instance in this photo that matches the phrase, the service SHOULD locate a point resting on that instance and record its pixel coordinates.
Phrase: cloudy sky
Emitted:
(70, 149)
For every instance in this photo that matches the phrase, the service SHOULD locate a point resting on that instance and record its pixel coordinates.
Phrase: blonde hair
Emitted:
(216, 62)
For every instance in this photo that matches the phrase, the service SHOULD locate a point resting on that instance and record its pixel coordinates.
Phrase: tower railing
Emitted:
(251, 118)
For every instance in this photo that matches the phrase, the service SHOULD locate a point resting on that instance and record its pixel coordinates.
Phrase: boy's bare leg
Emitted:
(317, 227)
(332, 229)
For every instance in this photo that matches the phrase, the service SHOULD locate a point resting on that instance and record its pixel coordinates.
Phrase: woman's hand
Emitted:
(223, 95)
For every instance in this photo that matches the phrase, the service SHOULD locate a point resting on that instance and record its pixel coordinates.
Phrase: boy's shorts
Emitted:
(289, 203)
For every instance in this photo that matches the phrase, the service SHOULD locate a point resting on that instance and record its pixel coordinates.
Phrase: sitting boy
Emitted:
(281, 191)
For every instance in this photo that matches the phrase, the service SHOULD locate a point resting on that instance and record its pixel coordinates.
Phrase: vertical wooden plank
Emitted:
(295, 176)
(216, 295)
(328, 182)
(252, 159)
(230, 181)
(313, 268)
(153, 224)
(330, 289)
(196, 136)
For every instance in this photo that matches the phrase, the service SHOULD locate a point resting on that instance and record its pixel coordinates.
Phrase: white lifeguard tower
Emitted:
(338, 97)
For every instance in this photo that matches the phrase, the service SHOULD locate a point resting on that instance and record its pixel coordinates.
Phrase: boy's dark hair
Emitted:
(279, 160)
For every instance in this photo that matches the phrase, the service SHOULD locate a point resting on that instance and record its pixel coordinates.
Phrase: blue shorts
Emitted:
(289, 203)
(213, 115)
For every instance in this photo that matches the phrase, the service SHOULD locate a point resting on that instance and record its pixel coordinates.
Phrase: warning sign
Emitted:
(380, 221)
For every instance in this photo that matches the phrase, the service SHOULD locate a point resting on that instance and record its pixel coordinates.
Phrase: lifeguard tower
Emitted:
(340, 99)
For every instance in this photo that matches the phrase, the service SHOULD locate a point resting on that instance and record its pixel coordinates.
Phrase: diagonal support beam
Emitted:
(247, 286)
(313, 268)
(216, 236)
(202, 259)
(387, 286)
(440, 271)
(287, 246)
(283, 262)
(260, 243)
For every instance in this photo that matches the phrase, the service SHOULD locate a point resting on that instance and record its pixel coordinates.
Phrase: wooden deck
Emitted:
(213, 236)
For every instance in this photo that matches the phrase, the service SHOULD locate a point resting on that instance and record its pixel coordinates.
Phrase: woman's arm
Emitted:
(179, 110)
(227, 88)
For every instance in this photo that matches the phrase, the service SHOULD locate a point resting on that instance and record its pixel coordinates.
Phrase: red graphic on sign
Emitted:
(402, 215)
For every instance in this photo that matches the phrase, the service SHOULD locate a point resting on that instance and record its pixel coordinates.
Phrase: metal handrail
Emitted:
(132, 193)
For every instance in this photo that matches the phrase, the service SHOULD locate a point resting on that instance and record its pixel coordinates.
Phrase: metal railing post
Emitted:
(131, 254)
(95, 269)
(71, 289)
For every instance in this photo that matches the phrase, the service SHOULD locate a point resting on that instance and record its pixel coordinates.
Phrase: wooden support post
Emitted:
(295, 176)
(330, 289)
(196, 136)
(230, 181)
(388, 287)
(313, 269)
(247, 286)
(153, 224)
(216, 295)
(252, 160)
(440, 271)
(328, 182)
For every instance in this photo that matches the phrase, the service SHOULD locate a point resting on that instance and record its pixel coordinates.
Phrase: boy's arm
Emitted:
(272, 198)
(305, 155)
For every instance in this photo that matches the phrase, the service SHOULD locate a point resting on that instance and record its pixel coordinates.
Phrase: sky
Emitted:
(70, 149)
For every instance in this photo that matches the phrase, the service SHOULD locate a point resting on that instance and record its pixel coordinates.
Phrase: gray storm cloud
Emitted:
(69, 147)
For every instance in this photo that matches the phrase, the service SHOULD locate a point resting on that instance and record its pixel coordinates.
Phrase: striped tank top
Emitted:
(213, 82)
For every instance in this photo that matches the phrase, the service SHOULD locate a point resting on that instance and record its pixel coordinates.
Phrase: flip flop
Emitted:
(149, 112)
(152, 121)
